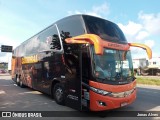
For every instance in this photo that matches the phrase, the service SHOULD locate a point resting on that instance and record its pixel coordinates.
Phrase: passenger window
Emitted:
(49, 40)
(71, 27)
(45, 41)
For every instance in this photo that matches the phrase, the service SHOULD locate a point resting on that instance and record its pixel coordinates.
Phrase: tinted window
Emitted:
(17, 51)
(103, 28)
(21, 50)
(31, 46)
(71, 27)
(47, 40)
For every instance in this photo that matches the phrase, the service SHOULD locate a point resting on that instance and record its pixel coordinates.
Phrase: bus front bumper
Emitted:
(100, 103)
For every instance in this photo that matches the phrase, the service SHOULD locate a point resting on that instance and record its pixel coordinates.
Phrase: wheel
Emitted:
(58, 93)
(21, 84)
(17, 81)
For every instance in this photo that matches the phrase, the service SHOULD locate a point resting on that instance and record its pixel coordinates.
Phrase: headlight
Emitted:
(117, 95)
(99, 91)
(111, 94)
(122, 94)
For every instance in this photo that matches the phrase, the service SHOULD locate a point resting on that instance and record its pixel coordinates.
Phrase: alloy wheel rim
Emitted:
(59, 93)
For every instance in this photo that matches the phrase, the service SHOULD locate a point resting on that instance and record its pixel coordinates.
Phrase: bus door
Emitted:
(86, 73)
(73, 76)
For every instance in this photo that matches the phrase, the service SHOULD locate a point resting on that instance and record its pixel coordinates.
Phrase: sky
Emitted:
(138, 19)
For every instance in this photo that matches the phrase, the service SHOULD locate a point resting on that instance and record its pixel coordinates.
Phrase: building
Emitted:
(147, 67)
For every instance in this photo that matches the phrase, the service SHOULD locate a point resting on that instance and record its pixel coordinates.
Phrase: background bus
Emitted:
(65, 61)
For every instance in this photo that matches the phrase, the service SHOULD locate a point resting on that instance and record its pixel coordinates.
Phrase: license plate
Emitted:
(124, 104)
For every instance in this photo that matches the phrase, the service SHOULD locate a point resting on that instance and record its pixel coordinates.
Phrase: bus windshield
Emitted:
(104, 29)
(114, 66)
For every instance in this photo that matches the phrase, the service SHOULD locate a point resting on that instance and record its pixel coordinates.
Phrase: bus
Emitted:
(82, 61)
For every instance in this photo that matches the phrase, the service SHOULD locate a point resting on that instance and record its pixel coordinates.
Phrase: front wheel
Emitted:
(58, 93)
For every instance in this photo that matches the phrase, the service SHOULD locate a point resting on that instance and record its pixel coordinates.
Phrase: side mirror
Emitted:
(145, 47)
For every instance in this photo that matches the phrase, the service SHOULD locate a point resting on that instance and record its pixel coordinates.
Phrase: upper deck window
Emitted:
(71, 27)
(50, 40)
(47, 40)
(103, 28)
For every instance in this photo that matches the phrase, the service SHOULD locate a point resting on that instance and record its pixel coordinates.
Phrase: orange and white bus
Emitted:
(82, 61)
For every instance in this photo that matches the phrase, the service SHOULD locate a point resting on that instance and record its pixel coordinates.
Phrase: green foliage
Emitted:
(3, 65)
(148, 81)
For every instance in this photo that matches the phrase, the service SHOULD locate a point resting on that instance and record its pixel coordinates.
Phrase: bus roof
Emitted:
(107, 30)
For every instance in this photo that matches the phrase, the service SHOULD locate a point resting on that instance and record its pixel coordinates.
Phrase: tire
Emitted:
(17, 80)
(21, 84)
(58, 93)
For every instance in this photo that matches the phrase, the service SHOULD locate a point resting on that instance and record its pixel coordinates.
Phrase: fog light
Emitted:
(102, 103)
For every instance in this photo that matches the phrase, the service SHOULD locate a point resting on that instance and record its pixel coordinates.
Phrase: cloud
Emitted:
(5, 57)
(142, 31)
(131, 28)
(14, 30)
(99, 11)
(146, 26)
(142, 35)
(150, 22)
(150, 43)
(102, 9)
(2, 54)
(4, 40)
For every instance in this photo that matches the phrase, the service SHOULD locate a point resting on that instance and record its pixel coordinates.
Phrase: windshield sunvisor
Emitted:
(98, 43)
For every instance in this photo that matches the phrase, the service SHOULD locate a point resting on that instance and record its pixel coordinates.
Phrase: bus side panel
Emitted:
(27, 74)
(16, 65)
(50, 68)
